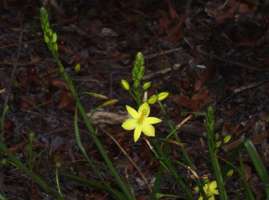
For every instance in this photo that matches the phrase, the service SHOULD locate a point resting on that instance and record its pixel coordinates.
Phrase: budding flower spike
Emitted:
(139, 121)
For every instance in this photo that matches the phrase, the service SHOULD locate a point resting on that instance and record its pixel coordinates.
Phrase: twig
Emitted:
(250, 86)
(162, 72)
(184, 121)
(105, 117)
(229, 61)
(130, 160)
(19, 63)
(162, 53)
(243, 89)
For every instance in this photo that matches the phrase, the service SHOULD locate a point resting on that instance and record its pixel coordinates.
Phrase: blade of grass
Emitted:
(13, 160)
(210, 125)
(166, 162)
(2, 122)
(57, 180)
(29, 151)
(2, 197)
(91, 130)
(130, 160)
(168, 196)
(81, 147)
(248, 192)
(258, 164)
(99, 185)
(241, 172)
(92, 133)
(185, 156)
(157, 185)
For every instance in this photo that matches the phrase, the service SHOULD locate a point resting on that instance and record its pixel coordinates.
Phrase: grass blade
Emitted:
(92, 134)
(99, 185)
(81, 147)
(248, 192)
(52, 46)
(13, 160)
(258, 164)
(166, 163)
(210, 125)
(2, 122)
(2, 197)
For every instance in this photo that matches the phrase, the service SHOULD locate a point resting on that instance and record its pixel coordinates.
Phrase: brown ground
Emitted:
(222, 51)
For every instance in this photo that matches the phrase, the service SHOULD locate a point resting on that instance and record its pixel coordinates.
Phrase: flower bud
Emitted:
(162, 96)
(125, 85)
(146, 85)
(77, 68)
(227, 138)
(153, 99)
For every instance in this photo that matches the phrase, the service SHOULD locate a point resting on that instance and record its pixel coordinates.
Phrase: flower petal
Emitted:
(132, 112)
(211, 198)
(129, 124)
(152, 120)
(137, 133)
(213, 184)
(148, 130)
(144, 109)
(213, 187)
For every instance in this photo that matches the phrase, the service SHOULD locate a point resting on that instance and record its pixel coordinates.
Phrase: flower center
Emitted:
(142, 116)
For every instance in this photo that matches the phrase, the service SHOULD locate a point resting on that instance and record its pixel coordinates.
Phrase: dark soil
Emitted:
(217, 54)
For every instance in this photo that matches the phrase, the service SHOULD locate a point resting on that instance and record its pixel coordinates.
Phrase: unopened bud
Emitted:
(125, 85)
(162, 96)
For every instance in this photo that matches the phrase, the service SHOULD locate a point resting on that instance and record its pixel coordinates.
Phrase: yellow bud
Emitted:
(46, 38)
(146, 85)
(77, 68)
(218, 144)
(125, 85)
(54, 37)
(227, 138)
(162, 96)
(153, 99)
(230, 173)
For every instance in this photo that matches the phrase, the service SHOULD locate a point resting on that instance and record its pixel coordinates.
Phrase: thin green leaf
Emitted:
(167, 163)
(210, 125)
(2, 121)
(91, 130)
(2, 197)
(81, 147)
(258, 164)
(13, 160)
(99, 185)
(247, 189)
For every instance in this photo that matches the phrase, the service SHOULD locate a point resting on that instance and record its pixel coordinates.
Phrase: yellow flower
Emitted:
(210, 190)
(140, 121)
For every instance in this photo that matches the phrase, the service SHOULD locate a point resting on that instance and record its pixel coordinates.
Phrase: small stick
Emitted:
(130, 159)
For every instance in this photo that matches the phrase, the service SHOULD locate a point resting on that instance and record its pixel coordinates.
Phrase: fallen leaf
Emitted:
(59, 84)
(66, 101)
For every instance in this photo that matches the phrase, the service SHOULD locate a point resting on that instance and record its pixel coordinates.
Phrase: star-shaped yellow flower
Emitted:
(140, 121)
(210, 190)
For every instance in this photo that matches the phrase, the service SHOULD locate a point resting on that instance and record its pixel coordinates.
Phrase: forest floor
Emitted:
(203, 53)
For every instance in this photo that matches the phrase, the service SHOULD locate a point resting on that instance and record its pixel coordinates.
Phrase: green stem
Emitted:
(92, 131)
(210, 123)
